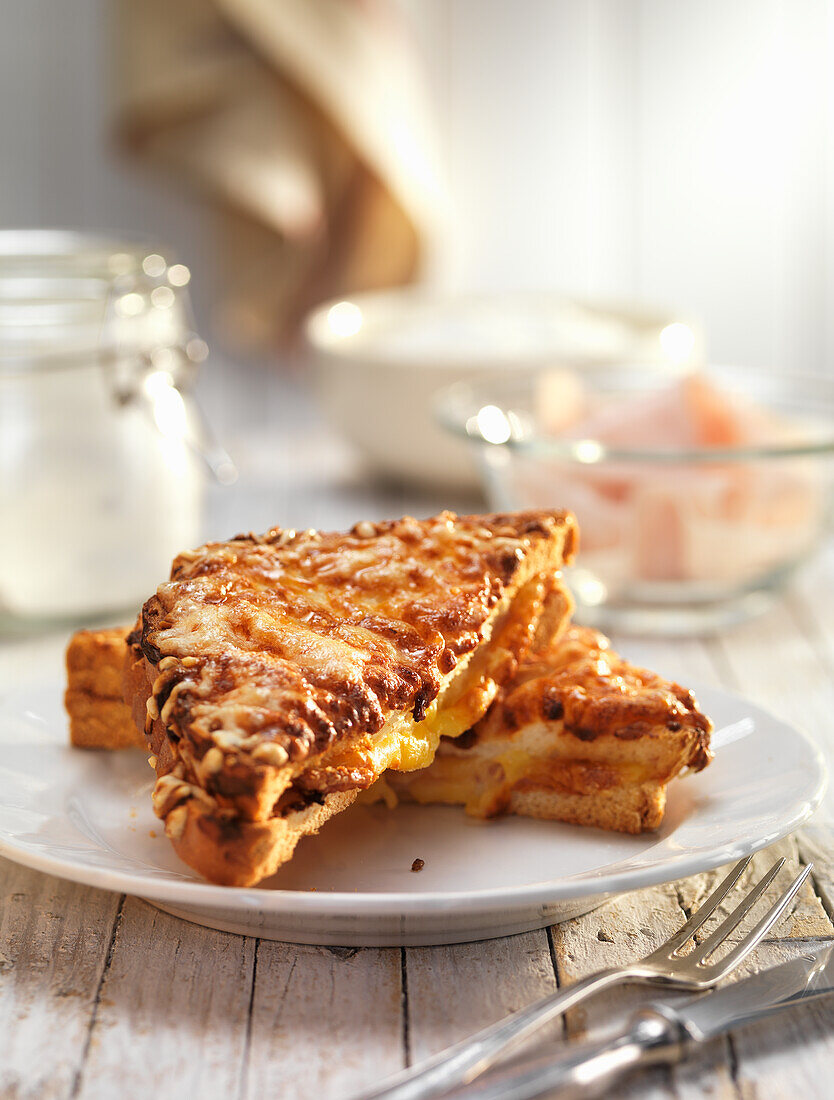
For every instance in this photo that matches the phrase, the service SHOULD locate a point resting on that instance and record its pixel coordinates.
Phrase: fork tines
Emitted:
(702, 952)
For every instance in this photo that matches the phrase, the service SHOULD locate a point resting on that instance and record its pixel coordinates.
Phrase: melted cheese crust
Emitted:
(576, 720)
(405, 745)
(318, 660)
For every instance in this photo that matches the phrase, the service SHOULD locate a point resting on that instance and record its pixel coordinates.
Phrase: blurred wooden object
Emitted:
(304, 122)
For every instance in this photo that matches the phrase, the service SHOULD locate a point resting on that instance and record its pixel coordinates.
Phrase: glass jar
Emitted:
(102, 450)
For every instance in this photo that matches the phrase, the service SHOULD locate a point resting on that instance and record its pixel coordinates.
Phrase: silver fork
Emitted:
(464, 1061)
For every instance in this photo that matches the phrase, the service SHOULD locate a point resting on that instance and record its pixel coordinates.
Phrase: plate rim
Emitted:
(205, 895)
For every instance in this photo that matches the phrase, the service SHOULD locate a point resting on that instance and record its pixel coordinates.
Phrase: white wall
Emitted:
(678, 151)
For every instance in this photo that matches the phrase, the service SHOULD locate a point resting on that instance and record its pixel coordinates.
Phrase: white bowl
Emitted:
(380, 358)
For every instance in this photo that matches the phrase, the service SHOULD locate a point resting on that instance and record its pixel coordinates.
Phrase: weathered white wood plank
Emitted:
(325, 1023)
(622, 935)
(54, 940)
(172, 1014)
(623, 930)
(805, 920)
(780, 664)
(790, 1055)
(804, 928)
(814, 601)
(457, 989)
(775, 663)
(816, 845)
(783, 661)
(814, 611)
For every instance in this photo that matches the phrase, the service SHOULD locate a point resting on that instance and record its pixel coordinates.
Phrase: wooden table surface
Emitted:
(103, 996)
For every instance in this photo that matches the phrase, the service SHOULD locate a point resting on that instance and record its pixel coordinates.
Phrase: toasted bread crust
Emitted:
(412, 597)
(583, 692)
(637, 808)
(97, 722)
(234, 852)
(94, 662)
(98, 717)
(602, 701)
(578, 735)
(263, 671)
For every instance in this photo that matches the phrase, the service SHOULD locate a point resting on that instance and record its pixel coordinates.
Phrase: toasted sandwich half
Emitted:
(99, 718)
(276, 676)
(578, 735)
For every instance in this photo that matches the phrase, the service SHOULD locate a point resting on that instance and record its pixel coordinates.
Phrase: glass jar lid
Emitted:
(67, 296)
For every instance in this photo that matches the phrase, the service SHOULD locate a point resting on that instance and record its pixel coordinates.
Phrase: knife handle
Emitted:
(651, 1038)
(458, 1064)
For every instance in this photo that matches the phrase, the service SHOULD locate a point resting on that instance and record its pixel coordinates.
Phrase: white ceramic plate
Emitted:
(86, 816)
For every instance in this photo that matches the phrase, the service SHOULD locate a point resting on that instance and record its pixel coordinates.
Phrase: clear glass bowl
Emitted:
(674, 540)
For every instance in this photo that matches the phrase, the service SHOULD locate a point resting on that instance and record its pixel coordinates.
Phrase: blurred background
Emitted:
(659, 169)
(671, 151)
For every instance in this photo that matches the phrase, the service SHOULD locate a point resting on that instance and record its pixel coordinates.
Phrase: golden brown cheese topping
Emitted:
(593, 692)
(279, 646)
(575, 719)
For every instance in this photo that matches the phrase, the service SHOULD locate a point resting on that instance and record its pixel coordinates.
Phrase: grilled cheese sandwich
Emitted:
(276, 676)
(577, 735)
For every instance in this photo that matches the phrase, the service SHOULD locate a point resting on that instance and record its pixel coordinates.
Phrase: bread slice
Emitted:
(98, 715)
(276, 676)
(578, 735)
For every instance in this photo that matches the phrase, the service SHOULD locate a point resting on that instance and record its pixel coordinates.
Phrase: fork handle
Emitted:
(582, 1070)
(466, 1060)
